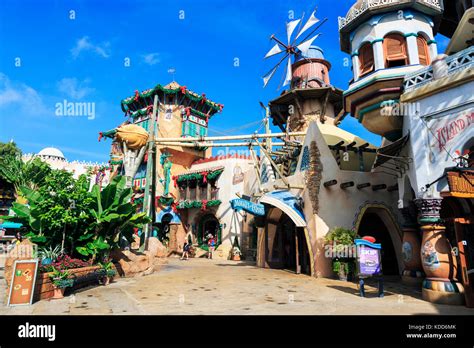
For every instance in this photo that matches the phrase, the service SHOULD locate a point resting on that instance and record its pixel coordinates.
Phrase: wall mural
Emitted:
(429, 256)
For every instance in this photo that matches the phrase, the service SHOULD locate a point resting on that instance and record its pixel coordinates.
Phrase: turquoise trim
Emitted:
(431, 42)
(355, 54)
(410, 34)
(368, 109)
(376, 40)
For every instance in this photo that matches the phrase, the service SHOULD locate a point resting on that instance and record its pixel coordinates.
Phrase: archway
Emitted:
(379, 223)
(208, 224)
(285, 245)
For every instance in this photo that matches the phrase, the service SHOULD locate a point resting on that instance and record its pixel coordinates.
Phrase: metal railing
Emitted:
(371, 4)
(462, 60)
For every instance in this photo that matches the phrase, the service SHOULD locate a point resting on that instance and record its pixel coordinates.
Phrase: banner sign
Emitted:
(368, 258)
(22, 285)
(249, 207)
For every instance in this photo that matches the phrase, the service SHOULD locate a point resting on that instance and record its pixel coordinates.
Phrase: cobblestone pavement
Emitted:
(201, 286)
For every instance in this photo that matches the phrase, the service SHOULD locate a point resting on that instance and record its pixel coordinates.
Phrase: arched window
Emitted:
(423, 51)
(395, 50)
(366, 59)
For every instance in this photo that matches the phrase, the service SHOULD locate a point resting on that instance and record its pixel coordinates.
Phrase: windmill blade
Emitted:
(303, 47)
(267, 77)
(311, 21)
(288, 73)
(290, 27)
(274, 51)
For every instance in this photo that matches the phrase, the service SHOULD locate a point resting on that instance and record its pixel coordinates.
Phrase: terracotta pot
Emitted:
(236, 257)
(437, 258)
(58, 293)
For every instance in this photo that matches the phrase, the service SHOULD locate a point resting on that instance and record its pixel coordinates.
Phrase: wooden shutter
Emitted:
(366, 59)
(395, 48)
(423, 50)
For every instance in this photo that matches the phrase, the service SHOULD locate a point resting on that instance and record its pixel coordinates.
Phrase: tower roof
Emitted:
(314, 52)
(363, 10)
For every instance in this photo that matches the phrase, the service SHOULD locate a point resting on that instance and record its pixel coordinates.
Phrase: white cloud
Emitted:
(74, 88)
(17, 93)
(151, 58)
(84, 44)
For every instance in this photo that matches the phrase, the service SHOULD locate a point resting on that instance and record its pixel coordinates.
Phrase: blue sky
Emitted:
(82, 59)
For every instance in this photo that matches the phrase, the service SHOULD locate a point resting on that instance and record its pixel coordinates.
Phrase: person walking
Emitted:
(211, 243)
(186, 248)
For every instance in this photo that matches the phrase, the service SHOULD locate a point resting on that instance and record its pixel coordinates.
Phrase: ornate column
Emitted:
(437, 258)
(411, 247)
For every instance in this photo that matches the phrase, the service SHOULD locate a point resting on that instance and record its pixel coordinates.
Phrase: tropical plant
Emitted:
(60, 278)
(113, 217)
(107, 269)
(49, 253)
(341, 242)
(31, 173)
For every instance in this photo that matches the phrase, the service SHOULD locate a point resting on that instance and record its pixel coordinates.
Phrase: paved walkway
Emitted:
(201, 286)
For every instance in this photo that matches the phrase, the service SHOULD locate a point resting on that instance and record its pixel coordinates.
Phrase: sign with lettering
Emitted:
(448, 129)
(369, 262)
(250, 207)
(197, 120)
(22, 285)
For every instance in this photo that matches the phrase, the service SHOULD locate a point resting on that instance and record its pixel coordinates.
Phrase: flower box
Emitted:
(44, 288)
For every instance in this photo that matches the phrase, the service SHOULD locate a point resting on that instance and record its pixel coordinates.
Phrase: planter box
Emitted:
(44, 287)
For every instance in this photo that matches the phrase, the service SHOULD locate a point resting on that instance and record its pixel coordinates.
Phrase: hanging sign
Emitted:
(23, 282)
(368, 258)
(250, 207)
(197, 120)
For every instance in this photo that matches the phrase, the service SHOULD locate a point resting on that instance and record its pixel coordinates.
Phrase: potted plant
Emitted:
(341, 243)
(61, 281)
(236, 254)
(107, 272)
(49, 255)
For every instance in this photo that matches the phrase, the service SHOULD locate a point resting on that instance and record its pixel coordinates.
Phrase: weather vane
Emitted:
(293, 47)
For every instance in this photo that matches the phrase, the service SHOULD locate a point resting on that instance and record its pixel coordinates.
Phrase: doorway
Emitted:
(372, 225)
(208, 225)
(286, 247)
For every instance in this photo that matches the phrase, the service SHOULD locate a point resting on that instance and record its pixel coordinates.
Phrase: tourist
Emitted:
(186, 248)
(211, 243)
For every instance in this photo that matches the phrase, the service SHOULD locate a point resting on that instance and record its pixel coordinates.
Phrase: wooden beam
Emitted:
(364, 185)
(379, 187)
(229, 137)
(330, 183)
(273, 164)
(348, 184)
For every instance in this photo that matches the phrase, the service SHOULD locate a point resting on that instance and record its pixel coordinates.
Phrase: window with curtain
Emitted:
(366, 59)
(423, 52)
(395, 50)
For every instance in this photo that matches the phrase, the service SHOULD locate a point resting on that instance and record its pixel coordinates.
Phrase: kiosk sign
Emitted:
(23, 281)
(368, 258)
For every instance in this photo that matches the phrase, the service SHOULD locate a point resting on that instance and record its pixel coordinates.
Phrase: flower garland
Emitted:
(204, 175)
(203, 205)
(192, 96)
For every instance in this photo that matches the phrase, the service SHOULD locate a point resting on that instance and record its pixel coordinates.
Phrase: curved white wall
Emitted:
(403, 22)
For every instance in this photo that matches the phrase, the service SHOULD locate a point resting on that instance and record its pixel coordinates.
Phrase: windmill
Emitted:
(293, 47)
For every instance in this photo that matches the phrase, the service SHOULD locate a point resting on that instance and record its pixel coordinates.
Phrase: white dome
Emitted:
(51, 152)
